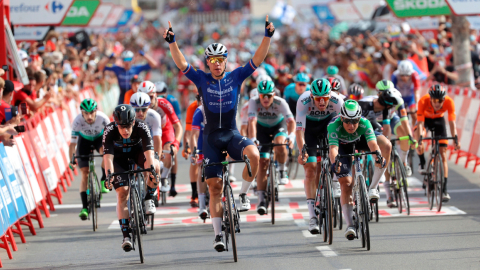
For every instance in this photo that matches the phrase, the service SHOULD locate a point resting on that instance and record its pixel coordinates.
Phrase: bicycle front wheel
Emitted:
(272, 190)
(438, 181)
(339, 213)
(363, 212)
(230, 218)
(136, 220)
(329, 208)
(403, 185)
(93, 201)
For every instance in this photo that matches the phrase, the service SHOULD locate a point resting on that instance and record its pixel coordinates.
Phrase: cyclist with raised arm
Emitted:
(406, 80)
(128, 138)
(346, 131)
(270, 119)
(172, 132)
(87, 131)
(315, 109)
(294, 90)
(220, 94)
(431, 109)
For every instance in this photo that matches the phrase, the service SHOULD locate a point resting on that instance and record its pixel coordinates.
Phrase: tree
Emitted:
(461, 50)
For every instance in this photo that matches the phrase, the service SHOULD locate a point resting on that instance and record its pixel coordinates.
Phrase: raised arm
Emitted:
(177, 55)
(262, 50)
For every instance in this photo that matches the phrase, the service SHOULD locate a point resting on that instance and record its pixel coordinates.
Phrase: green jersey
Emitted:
(336, 132)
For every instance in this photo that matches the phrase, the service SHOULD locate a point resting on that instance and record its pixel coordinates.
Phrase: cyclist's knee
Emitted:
(346, 182)
(385, 145)
(310, 170)
(252, 153)
(264, 162)
(122, 194)
(215, 186)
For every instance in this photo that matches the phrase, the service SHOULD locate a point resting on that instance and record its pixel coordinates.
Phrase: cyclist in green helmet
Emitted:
(345, 131)
(293, 91)
(270, 119)
(384, 85)
(315, 109)
(87, 131)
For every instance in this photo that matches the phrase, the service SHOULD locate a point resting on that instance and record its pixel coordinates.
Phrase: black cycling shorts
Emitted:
(439, 125)
(120, 164)
(84, 147)
(314, 131)
(266, 135)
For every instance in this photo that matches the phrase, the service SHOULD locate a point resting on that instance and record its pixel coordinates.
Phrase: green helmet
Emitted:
(301, 77)
(88, 105)
(266, 87)
(332, 70)
(351, 110)
(320, 87)
(384, 85)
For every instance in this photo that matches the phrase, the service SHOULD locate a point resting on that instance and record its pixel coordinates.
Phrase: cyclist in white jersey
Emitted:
(270, 118)
(141, 102)
(87, 131)
(315, 109)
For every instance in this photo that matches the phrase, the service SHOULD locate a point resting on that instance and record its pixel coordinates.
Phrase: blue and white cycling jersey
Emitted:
(220, 98)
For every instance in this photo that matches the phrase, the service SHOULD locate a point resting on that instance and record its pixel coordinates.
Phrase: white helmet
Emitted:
(140, 100)
(147, 87)
(216, 49)
(405, 68)
(161, 87)
(263, 77)
(127, 56)
(390, 97)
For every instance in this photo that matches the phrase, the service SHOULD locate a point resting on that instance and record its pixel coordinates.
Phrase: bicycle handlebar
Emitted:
(245, 160)
(74, 157)
(110, 174)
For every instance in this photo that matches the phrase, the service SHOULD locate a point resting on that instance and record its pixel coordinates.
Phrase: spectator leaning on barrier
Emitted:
(6, 116)
(28, 94)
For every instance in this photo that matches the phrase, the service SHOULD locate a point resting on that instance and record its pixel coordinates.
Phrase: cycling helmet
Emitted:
(283, 69)
(384, 85)
(437, 91)
(127, 56)
(390, 97)
(266, 87)
(124, 114)
(335, 83)
(301, 77)
(263, 77)
(140, 100)
(355, 91)
(161, 87)
(320, 87)
(216, 49)
(332, 70)
(147, 87)
(405, 68)
(88, 105)
(351, 110)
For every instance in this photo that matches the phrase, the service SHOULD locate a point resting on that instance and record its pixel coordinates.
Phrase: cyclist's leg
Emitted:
(99, 148)
(378, 173)
(202, 188)
(264, 136)
(441, 131)
(411, 106)
(421, 147)
(173, 172)
(281, 152)
(346, 185)
(120, 184)
(310, 168)
(83, 148)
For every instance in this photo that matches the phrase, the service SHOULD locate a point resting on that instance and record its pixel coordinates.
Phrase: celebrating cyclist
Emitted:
(87, 131)
(219, 92)
(407, 81)
(346, 131)
(171, 132)
(431, 109)
(128, 138)
(315, 109)
(270, 119)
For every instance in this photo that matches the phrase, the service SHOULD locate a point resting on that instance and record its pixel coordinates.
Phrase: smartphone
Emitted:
(19, 128)
(14, 111)
(23, 108)
(5, 67)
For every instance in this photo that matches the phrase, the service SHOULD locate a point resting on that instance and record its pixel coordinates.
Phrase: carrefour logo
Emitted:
(54, 6)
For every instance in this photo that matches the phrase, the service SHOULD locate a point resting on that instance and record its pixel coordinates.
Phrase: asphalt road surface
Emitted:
(180, 240)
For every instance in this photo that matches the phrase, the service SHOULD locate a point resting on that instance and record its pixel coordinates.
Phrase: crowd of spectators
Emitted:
(206, 5)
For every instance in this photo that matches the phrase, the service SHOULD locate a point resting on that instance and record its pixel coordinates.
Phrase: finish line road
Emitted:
(180, 240)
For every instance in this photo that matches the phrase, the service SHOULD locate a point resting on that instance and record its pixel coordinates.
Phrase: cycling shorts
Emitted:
(219, 140)
(168, 135)
(439, 125)
(395, 123)
(83, 148)
(266, 135)
(409, 102)
(120, 164)
(347, 148)
(314, 131)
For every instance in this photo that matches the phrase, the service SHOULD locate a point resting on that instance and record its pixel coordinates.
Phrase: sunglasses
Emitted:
(353, 97)
(141, 109)
(350, 121)
(214, 60)
(301, 84)
(125, 126)
(269, 96)
(324, 98)
(438, 100)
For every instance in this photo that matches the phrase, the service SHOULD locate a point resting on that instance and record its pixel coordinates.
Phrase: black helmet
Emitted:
(390, 97)
(124, 114)
(437, 91)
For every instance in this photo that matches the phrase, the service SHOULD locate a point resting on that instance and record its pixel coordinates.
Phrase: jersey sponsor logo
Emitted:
(267, 114)
(145, 127)
(362, 126)
(369, 132)
(215, 92)
(243, 139)
(218, 103)
(316, 113)
(207, 160)
(305, 100)
(333, 135)
(334, 100)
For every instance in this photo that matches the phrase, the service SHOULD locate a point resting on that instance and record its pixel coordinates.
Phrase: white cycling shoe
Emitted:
(149, 207)
(127, 244)
(373, 194)
(350, 233)
(408, 170)
(244, 202)
(283, 178)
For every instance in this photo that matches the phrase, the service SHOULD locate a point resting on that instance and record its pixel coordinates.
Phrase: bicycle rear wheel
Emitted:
(136, 220)
(230, 219)
(329, 208)
(438, 180)
(429, 185)
(397, 184)
(93, 201)
(339, 213)
(272, 190)
(363, 211)
(403, 185)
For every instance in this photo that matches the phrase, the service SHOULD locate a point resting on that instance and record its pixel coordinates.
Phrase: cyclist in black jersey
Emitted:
(128, 138)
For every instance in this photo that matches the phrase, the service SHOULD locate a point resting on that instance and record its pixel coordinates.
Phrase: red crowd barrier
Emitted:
(467, 109)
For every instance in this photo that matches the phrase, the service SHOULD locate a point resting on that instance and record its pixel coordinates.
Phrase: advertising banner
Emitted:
(344, 11)
(12, 184)
(418, 8)
(101, 15)
(38, 12)
(114, 16)
(126, 17)
(29, 170)
(462, 7)
(30, 33)
(81, 12)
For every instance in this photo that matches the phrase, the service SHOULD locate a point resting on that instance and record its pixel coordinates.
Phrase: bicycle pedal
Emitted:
(373, 200)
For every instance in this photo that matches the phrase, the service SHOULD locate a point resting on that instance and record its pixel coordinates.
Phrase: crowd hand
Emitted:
(269, 28)
(168, 34)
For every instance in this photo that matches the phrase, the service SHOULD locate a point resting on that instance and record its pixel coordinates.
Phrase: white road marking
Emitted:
(307, 234)
(326, 251)
(300, 223)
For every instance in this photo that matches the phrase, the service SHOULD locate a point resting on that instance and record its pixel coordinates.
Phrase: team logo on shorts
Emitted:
(207, 160)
